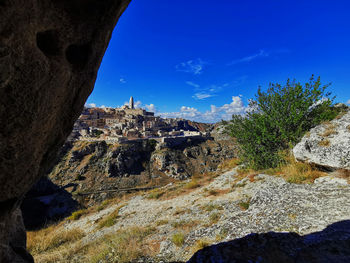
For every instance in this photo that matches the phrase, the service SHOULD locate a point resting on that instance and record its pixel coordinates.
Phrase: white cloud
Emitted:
(215, 114)
(194, 66)
(151, 107)
(260, 54)
(208, 92)
(348, 102)
(138, 104)
(202, 96)
(90, 105)
(122, 80)
(192, 84)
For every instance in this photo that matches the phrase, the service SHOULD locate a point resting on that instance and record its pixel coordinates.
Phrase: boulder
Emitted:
(327, 145)
(50, 52)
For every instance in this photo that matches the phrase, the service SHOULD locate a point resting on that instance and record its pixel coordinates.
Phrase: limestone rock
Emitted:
(50, 52)
(328, 246)
(327, 145)
(285, 223)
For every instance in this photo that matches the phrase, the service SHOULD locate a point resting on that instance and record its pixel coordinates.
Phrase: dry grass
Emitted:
(51, 238)
(348, 127)
(110, 220)
(222, 234)
(229, 164)
(182, 188)
(181, 211)
(330, 129)
(200, 244)
(78, 214)
(192, 184)
(292, 171)
(210, 207)
(162, 222)
(103, 205)
(344, 173)
(324, 143)
(214, 217)
(184, 224)
(340, 115)
(123, 246)
(155, 194)
(178, 239)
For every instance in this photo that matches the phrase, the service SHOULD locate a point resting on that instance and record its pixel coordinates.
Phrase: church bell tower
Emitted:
(131, 103)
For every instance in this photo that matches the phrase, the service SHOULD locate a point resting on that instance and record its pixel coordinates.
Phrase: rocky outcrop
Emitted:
(97, 167)
(331, 245)
(50, 52)
(327, 145)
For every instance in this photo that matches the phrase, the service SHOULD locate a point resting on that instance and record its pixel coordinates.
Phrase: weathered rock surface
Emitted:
(331, 245)
(264, 220)
(327, 145)
(50, 52)
(98, 167)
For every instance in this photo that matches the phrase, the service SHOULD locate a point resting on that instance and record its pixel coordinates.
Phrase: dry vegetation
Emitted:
(292, 171)
(110, 220)
(229, 164)
(122, 246)
(330, 129)
(200, 244)
(178, 239)
(184, 224)
(324, 143)
(182, 188)
(344, 173)
(78, 214)
(51, 238)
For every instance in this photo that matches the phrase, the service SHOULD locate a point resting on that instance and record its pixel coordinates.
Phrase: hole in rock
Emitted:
(48, 42)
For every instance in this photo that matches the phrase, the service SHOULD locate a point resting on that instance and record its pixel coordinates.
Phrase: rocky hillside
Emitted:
(89, 172)
(309, 223)
(327, 145)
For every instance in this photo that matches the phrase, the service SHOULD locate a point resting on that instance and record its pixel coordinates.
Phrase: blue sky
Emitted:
(203, 60)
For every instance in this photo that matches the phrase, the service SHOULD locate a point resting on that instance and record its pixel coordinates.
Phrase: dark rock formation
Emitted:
(332, 245)
(46, 203)
(50, 52)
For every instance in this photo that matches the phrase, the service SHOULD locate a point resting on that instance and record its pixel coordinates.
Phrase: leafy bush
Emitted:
(278, 118)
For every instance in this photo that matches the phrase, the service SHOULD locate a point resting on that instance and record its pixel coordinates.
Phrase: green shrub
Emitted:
(278, 118)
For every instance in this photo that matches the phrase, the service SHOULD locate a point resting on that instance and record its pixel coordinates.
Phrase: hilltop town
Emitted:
(130, 123)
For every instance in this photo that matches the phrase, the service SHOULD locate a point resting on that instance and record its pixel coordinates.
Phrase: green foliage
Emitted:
(278, 118)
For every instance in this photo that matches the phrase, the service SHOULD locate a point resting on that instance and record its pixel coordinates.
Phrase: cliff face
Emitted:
(89, 172)
(50, 52)
(98, 166)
